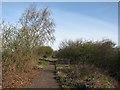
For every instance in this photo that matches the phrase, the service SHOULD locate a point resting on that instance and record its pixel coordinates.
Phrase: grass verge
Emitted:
(83, 76)
(44, 63)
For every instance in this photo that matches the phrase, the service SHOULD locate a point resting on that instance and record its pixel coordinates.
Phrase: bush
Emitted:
(44, 51)
(35, 28)
(102, 54)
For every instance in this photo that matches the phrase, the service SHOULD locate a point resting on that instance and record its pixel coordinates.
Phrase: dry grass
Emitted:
(84, 76)
(17, 80)
(19, 70)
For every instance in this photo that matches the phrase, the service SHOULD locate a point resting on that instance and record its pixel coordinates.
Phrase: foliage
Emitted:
(88, 77)
(44, 51)
(44, 63)
(34, 29)
(102, 54)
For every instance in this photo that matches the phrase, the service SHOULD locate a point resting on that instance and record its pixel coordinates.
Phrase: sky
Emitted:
(60, 0)
(74, 20)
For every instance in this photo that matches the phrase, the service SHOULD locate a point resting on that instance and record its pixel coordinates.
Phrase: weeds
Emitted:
(87, 77)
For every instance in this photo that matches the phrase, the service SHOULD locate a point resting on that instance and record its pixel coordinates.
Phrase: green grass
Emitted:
(44, 63)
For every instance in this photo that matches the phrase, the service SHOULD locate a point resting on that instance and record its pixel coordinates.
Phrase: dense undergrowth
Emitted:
(23, 45)
(87, 76)
(103, 55)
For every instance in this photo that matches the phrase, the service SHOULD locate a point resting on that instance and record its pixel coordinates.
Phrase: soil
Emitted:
(45, 79)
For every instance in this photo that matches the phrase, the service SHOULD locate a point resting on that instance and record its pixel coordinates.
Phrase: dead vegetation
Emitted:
(87, 76)
(20, 45)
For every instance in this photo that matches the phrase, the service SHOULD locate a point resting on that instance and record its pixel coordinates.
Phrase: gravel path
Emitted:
(45, 79)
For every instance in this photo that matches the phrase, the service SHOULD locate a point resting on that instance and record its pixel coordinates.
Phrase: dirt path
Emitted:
(45, 79)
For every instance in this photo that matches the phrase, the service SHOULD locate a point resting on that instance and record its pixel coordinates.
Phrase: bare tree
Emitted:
(37, 27)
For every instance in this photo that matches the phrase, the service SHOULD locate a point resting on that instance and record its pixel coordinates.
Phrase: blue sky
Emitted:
(89, 20)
